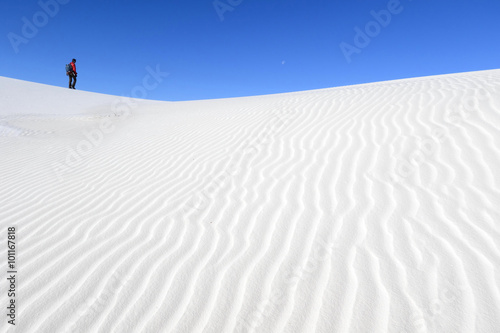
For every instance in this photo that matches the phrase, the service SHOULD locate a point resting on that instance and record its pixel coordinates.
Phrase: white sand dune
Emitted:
(368, 208)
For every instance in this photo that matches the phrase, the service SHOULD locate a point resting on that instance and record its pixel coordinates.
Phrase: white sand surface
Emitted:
(368, 208)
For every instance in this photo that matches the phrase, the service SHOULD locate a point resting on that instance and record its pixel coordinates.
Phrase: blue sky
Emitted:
(259, 47)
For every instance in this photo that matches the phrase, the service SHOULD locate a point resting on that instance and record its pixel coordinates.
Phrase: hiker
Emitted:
(71, 72)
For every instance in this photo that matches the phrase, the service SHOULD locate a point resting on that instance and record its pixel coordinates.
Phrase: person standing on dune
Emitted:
(72, 74)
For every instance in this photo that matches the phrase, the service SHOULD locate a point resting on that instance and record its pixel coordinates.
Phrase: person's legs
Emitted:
(72, 80)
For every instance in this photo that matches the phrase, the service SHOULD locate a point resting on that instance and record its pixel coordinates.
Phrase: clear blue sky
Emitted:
(260, 46)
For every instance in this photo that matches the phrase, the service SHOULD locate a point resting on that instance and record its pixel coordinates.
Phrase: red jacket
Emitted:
(74, 67)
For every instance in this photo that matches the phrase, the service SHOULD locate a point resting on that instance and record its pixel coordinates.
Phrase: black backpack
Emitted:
(69, 69)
